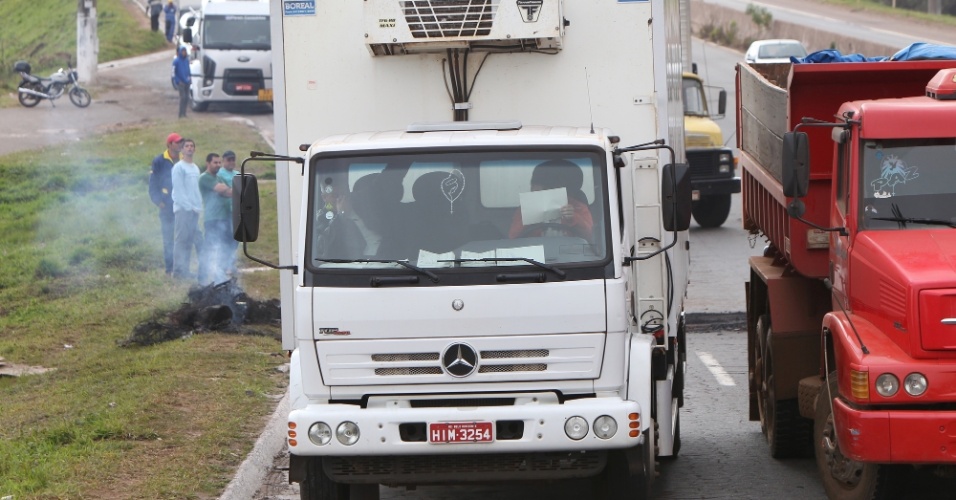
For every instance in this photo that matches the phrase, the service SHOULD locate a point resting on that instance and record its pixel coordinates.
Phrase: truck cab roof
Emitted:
(236, 8)
(505, 136)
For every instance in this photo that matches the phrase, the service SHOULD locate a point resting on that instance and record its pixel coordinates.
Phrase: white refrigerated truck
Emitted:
(231, 57)
(483, 252)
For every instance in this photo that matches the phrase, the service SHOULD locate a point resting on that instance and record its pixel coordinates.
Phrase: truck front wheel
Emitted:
(318, 486)
(197, 106)
(711, 211)
(845, 479)
(628, 474)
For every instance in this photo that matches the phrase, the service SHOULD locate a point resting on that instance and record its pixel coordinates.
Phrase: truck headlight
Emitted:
(320, 433)
(605, 427)
(576, 428)
(887, 384)
(723, 168)
(347, 433)
(727, 158)
(915, 384)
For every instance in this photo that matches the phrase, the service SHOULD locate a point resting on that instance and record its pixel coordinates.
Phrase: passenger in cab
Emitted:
(573, 218)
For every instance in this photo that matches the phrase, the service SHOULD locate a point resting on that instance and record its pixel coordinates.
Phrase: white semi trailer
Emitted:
(483, 253)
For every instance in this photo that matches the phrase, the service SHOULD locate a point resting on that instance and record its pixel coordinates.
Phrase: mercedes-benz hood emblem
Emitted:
(459, 360)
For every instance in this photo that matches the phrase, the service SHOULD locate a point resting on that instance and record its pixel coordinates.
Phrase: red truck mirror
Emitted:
(245, 208)
(796, 165)
(676, 197)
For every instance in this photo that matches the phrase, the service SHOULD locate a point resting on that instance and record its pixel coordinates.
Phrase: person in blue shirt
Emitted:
(182, 79)
(170, 11)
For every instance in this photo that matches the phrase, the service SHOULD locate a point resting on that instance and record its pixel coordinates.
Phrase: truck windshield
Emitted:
(236, 32)
(458, 211)
(908, 183)
(695, 102)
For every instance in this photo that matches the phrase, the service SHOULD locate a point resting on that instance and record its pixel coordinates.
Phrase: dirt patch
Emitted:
(8, 369)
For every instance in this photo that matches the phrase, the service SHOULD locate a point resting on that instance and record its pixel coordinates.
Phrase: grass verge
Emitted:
(80, 266)
(43, 33)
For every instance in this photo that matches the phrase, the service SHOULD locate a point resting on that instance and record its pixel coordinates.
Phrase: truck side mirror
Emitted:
(722, 102)
(188, 35)
(796, 164)
(245, 208)
(676, 197)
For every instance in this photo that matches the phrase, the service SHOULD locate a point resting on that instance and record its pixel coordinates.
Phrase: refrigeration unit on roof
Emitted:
(395, 27)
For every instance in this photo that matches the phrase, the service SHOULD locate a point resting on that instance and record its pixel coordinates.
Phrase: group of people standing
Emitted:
(183, 195)
(155, 8)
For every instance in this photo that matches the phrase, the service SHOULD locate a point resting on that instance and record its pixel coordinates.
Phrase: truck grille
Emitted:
(435, 368)
(702, 163)
(520, 358)
(449, 18)
(242, 81)
(424, 469)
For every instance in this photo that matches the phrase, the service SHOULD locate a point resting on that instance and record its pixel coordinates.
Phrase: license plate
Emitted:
(243, 87)
(265, 95)
(460, 432)
(695, 195)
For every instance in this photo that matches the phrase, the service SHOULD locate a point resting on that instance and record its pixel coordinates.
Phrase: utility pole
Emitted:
(87, 41)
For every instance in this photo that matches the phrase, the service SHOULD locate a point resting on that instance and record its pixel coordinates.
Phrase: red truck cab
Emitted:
(852, 309)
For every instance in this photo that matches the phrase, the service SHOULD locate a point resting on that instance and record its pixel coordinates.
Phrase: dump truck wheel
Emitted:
(788, 434)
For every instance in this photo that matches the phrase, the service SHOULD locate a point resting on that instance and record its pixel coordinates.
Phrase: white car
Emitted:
(774, 51)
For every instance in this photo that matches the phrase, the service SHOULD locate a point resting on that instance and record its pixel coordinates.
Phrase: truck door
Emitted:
(840, 243)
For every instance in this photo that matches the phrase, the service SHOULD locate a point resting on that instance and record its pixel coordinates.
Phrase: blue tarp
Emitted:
(914, 52)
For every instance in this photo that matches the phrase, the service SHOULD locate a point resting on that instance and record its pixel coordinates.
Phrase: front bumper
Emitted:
(712, 187)
(896, 436)
(543, 427)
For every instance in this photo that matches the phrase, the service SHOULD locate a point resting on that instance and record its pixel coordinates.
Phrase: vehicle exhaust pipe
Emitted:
(32, 92)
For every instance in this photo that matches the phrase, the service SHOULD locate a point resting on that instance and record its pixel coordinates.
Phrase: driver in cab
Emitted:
(556, 205)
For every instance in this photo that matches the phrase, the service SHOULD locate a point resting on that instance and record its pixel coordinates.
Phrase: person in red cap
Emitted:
(161, 193)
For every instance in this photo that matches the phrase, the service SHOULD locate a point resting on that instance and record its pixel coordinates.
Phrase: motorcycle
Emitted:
(33, 89)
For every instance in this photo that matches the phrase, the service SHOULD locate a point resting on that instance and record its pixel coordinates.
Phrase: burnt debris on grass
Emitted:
(222, 307)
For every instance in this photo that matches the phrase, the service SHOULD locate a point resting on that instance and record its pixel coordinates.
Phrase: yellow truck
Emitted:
(712, 166)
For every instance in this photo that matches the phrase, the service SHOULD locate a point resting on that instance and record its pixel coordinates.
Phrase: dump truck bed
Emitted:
(772, 99)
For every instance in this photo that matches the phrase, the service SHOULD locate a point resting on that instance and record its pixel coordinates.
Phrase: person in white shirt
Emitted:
(187, 207)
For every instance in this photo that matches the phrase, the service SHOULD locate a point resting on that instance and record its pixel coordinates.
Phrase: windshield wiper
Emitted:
(898, 217)
(917, 220)
(561, 274)
(404, 263)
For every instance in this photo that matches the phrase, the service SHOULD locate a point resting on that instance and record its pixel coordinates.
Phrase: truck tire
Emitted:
(788, 434)
(616, 482)
(318, 486)
(842, 478)
(197, 106)
(711, 211)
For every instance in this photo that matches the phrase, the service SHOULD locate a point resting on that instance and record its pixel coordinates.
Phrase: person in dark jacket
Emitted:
(182, 79)
(154, 8)
(161, 193)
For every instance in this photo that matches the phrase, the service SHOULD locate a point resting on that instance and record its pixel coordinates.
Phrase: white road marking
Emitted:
(718, 371)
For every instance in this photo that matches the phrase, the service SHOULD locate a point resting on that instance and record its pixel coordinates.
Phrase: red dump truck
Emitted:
(849, 172)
